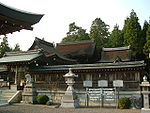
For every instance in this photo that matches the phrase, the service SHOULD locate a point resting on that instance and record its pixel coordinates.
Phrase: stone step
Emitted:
(7, 91)
(3, 101)
(4, 104)
(5, 95)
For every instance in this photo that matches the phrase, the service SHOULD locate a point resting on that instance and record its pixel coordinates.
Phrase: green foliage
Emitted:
(42, 99)
(75, 34)
(143, 34)
(4, 47)
(99, 33)
(147, 44)
(124, 103)
(116, 38)
(132, 34)
(16, 48)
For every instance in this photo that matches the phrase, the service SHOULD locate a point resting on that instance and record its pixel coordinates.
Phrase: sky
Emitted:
(58, 14)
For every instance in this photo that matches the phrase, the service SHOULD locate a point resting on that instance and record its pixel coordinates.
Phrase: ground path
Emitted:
(23, 108)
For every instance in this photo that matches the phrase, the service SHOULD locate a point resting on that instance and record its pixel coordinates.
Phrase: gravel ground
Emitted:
(24, 108)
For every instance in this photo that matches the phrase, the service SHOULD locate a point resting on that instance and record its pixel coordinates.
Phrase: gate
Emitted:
(101, 97)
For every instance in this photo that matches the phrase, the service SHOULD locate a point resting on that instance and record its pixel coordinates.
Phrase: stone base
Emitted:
(143, 110)
(70, 104)
(29, 99)
(29, 95)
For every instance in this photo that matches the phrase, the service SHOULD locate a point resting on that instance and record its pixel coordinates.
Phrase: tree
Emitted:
(75, 34)
(4, 47)
(143, 34)
(116, 38)
(147, 44)
(99, 33)
(17, 48)
(132, 34)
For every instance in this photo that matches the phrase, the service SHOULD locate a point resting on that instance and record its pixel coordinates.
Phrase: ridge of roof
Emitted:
(74, 43)
(44, 42)
(23, 53)
(116, 49)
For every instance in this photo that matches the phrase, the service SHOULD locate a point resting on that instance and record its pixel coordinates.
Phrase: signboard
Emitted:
(102, 83)
(87, 83)
(95, 94)
(118, 83)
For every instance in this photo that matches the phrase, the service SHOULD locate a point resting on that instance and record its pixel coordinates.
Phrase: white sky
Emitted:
(60, 13)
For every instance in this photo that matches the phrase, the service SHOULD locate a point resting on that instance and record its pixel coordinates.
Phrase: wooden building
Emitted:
(47, 67)
(47, 64)
(12, 20)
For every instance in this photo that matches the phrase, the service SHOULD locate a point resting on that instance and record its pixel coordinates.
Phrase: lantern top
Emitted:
(70, 74)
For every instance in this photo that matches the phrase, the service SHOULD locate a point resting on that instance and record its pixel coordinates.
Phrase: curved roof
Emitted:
(12, 19)
(49, 49)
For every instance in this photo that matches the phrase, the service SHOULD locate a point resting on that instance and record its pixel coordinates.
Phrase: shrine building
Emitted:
(47, 64)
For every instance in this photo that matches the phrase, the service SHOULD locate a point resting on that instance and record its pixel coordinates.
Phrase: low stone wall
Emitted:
(56, 96)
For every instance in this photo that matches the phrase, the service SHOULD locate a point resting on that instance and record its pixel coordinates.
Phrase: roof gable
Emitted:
(111, 54)
(84, 48)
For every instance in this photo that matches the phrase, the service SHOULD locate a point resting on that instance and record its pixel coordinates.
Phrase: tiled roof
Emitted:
(84, 48)
(12, 19)
(112, 54)
(92, 66)
(19, 15)
(28, 56)
(48, 49)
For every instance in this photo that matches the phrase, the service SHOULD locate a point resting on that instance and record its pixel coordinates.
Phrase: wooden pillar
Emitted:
(16, 74)
(35, 78)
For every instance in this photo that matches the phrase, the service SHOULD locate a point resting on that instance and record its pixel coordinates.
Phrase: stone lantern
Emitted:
(70, 99)
(145, 91)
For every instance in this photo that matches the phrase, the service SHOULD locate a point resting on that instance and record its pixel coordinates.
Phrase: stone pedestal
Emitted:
(70, 99)
(29, 94)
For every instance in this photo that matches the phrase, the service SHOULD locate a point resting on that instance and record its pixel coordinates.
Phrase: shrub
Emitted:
(124, 103)
(42, 99)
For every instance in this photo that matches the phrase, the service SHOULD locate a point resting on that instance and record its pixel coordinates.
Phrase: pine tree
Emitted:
(116, 38)
(99, 33)
(147, 44)
(75, 34)
(17, 48)
(132, 35)
(4, 47)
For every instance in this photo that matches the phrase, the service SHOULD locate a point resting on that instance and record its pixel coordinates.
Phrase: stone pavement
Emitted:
(25, 108)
